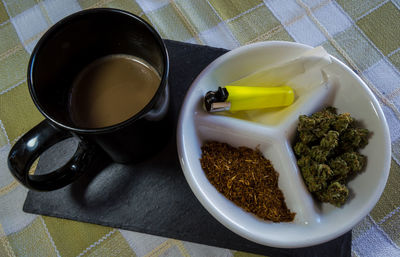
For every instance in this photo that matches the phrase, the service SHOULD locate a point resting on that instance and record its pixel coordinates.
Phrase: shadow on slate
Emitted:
(152, 196)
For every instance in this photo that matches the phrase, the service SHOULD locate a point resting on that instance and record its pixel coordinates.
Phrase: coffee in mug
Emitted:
(112, 89)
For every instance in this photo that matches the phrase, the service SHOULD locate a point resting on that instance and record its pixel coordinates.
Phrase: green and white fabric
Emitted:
(363, 34)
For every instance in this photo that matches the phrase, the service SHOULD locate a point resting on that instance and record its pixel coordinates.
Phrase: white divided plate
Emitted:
(273, 134)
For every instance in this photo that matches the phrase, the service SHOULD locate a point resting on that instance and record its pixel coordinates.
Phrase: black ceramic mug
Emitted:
(58, 57)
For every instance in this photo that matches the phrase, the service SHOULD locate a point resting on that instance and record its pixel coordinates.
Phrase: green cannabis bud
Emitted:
(335, 194)
(301, 149)
(304, 161)
(354, 160)
(339, 168)
(342, 121)
(306, 123)
(319, 154)
(330, 141)
(307, 137)
(327, 147)
(355, 138)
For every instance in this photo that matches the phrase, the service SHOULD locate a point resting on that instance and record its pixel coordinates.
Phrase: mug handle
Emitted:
(31, 145)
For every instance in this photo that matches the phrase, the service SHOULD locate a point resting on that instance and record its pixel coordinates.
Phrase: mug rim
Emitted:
(64, 22)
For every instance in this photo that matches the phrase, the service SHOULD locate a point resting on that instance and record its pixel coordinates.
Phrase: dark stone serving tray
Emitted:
(152, 196)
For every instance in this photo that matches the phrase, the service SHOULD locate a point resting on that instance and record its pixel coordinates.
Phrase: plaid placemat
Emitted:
(364, 34)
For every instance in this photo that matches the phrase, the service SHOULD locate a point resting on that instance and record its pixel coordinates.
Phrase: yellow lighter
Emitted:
(240, 98)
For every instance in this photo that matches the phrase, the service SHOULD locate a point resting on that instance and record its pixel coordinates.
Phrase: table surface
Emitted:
(363, 34)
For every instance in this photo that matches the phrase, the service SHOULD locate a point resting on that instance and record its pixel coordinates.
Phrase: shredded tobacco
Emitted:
(246, 178)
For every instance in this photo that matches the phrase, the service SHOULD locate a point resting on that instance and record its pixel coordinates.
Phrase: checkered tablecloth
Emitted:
(363, 34)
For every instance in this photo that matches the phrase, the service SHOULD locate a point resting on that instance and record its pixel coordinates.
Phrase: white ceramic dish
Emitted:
(314, 222)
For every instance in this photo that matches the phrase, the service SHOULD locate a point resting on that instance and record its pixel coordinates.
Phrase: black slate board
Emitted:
(153, 196)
